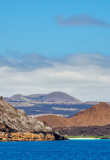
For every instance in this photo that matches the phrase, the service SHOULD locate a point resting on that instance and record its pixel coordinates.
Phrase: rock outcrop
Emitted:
(15, 125)
(26, 136)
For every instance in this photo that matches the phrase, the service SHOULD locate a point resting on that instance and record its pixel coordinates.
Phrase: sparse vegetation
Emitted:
(1, 98)
(87, 136)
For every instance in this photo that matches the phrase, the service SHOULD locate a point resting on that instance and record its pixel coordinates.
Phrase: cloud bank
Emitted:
(81, 20)
(82, 75)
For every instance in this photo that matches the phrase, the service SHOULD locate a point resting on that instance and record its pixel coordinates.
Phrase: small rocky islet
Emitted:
(15, 125)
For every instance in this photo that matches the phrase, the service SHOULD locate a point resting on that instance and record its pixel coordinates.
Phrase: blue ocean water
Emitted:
(56, 150)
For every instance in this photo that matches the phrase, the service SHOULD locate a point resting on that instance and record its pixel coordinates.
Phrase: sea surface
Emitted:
(56, 150)
(55, 109)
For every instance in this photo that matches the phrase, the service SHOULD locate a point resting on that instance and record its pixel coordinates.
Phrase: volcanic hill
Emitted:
(55, 121)
(51, 97)
(97, 115)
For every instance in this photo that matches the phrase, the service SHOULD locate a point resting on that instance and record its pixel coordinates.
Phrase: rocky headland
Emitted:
(15, 125)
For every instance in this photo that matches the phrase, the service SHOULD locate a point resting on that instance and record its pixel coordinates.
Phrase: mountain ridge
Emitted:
(51, 97)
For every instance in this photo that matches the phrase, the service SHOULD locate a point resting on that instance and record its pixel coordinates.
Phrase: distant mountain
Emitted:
(52, 97)
(19, 97)
(35, 95)
(7, 99)
(97, 115)
(60, 96)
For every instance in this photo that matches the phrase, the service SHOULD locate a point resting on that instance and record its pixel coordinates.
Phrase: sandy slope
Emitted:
(56, 121)
(98, 115)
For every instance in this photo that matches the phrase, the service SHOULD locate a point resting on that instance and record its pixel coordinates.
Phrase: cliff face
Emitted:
(16, 125)
(26, 136)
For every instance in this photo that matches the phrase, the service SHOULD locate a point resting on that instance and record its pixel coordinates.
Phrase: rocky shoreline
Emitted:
(15, 125)
(26, 136)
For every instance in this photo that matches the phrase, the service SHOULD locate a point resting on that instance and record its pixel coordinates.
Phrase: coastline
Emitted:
(83, 138)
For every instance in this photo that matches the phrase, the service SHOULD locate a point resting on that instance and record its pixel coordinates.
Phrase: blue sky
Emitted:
(31, 26)
(69, 38)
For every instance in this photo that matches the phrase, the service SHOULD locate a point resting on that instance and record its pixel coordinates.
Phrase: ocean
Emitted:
(56, 150)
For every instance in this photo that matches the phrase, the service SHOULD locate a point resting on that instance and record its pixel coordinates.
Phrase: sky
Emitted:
(59, 45)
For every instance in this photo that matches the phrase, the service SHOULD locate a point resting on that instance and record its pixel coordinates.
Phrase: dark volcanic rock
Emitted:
(91, 131)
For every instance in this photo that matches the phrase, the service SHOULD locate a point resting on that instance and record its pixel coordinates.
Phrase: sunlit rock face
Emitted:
(15, 125)
(26, 136)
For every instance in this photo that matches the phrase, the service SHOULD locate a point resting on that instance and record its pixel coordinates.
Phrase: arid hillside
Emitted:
(98, 115)
(56, 121)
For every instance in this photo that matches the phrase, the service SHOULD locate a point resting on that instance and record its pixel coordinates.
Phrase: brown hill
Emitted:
(56, 121)
(98, 115)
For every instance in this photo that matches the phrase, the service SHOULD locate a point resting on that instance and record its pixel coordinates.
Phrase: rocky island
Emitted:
(15, 125)
(94, 121)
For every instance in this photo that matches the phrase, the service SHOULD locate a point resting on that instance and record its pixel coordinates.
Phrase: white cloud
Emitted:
(84, 76)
